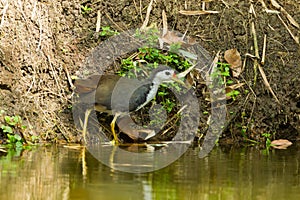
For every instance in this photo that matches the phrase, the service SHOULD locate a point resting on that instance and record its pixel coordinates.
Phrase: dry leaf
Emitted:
(233, 57)
(170, 38)
(281, 143)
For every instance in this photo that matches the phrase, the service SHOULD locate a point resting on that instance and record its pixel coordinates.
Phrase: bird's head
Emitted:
(164, 74)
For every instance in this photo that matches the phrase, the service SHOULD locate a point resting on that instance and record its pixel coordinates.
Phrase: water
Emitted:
(227, 173)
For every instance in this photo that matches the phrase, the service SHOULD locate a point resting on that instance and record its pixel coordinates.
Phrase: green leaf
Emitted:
(19, 144)
(6, 129)
(229, 81)
(17, 119)
(17, 137)
(11, 139)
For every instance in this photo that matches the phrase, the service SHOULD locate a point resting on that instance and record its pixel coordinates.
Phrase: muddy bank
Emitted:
(43, 43)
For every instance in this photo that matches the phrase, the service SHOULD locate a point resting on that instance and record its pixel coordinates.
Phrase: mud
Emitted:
(44, 42)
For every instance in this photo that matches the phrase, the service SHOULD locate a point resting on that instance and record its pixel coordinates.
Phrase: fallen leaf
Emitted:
(281, 143)
(233, 57)
(170, 38)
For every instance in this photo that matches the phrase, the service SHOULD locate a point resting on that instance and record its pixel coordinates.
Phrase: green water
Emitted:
(227, 173)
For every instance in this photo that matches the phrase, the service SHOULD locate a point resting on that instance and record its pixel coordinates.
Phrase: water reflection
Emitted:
(227, 173)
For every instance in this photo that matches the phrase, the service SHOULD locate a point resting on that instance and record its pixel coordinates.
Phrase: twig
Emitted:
(165, 23)
(203, 5)
(290, 32)
(264, 50)
(226, 4)
(266, 82)
(4, 13)
(266, 8)
(59, 86)
(254, 40)
(117, 25)
(138, 10)
(40, 34)
(146, 21)
(254, 102)
(198, 12)
(69, 77)
(256, 52)
(185, 5)
(98, 23)
(33, 10)
(252, 11)
(141, 11)
(289, 17)
(171, 119)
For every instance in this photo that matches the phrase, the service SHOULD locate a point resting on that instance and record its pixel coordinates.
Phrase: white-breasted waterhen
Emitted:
(119, 95)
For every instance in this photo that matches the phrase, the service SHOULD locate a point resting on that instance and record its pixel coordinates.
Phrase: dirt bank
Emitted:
(44, 42)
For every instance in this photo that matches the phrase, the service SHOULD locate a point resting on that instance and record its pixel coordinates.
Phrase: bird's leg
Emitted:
(112, 126)
(84, 128)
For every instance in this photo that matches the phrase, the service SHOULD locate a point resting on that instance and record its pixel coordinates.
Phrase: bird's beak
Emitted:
(177, 80)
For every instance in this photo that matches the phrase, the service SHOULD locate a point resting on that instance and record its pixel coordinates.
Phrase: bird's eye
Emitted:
(167, 73)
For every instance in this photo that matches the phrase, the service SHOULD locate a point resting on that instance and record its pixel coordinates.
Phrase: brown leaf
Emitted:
(170, 38)
(233, 57)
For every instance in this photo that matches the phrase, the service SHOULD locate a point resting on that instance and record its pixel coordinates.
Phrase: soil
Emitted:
(44, 43)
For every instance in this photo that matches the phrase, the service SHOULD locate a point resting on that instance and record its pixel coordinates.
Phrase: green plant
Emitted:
(267, 136)
(14, 121)
(106, 31)
(268, 144)
(222, 76)
(15, 140)
(175, 47)
(233, 94)
(85, 9)
(13, 128)
(6, 129)
(131, 67)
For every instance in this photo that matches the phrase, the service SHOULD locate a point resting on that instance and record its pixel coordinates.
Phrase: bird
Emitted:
(119, 96)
